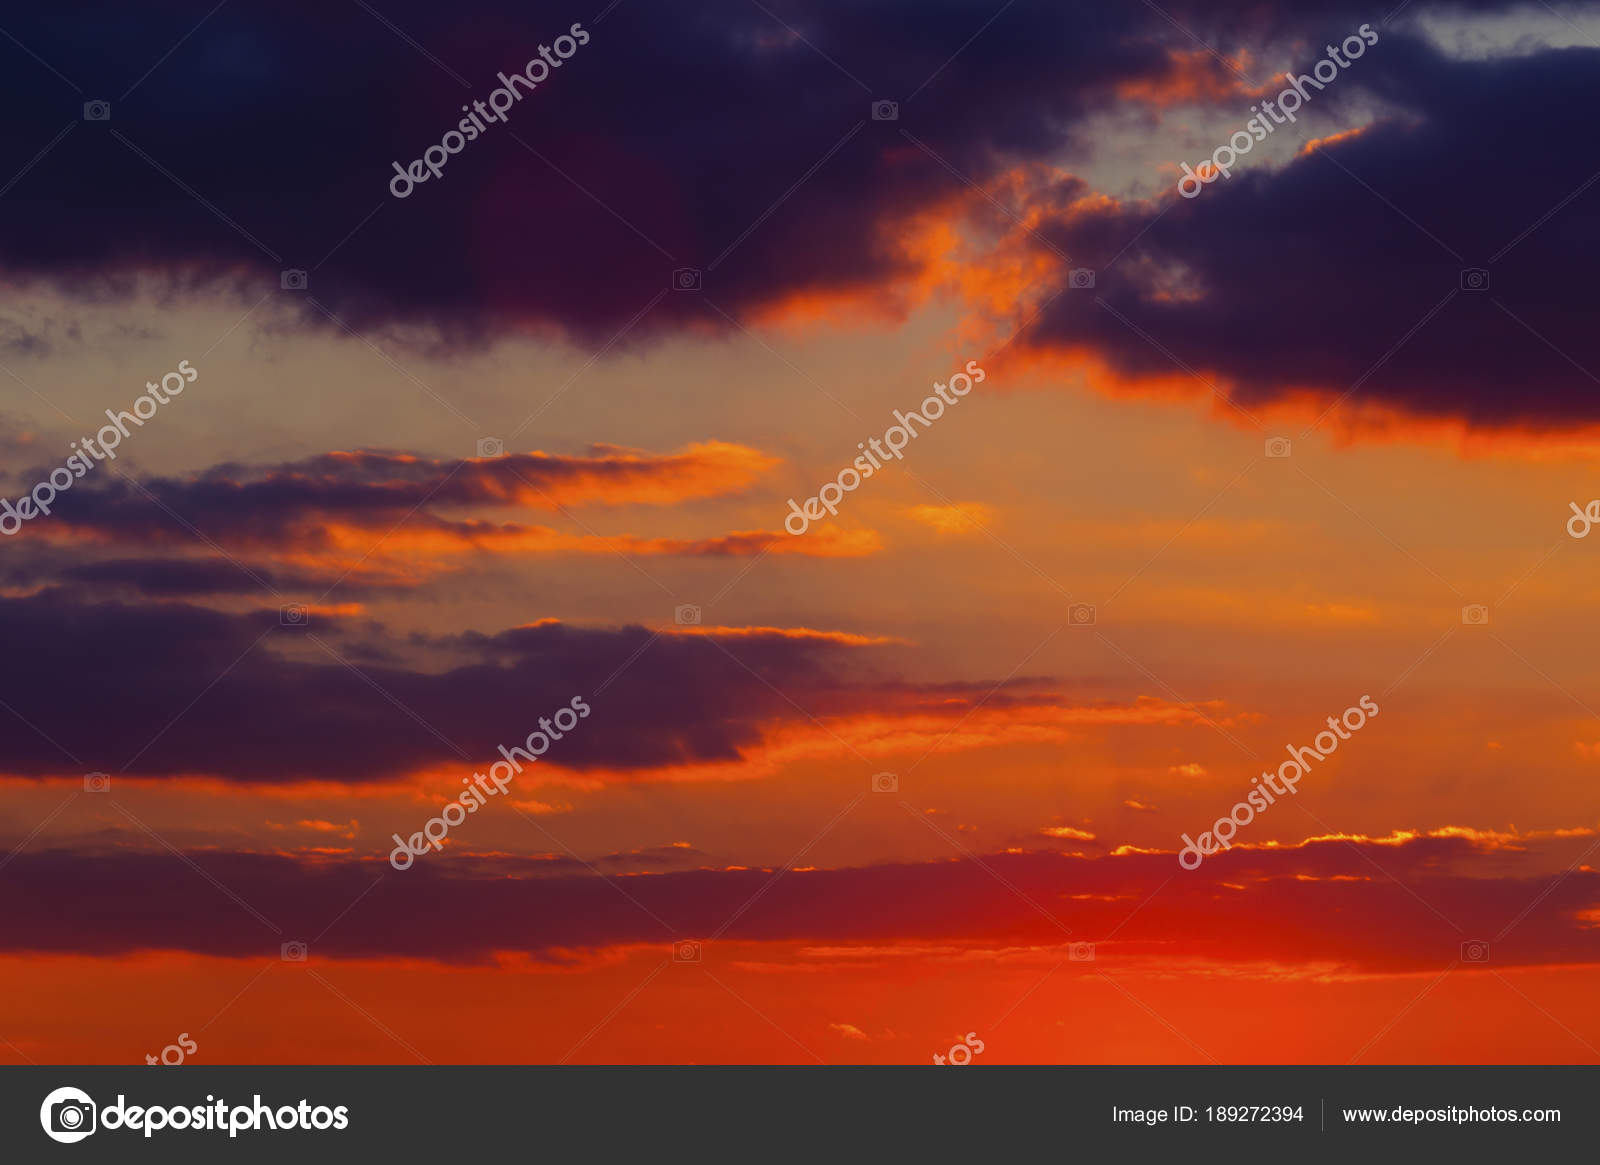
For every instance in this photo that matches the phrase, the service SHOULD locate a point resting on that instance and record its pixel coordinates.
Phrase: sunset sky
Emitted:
(529, 434)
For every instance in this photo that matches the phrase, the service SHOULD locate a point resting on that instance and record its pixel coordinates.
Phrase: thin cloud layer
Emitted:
(332, 701)
(1323, 907)
(385, 520)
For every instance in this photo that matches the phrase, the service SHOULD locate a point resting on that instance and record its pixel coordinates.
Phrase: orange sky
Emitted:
(843, 796)
(1240, 601)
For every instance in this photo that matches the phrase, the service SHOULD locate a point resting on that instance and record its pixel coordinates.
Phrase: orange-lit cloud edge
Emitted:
(955, 256)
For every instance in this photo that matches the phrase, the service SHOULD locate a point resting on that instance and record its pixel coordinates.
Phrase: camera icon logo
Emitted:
(1080, 953)
(686, 279)
(885, 783)
(686, 615)
(885, 111)
(1475, 951)
(1081, 614)
(67, 1115)
(1081, 277)
(293, 952)
(96, 783)
(293, 279)
(293, 615)
(687, 951)
(1475, 614)
(97, 111)
(1474, 279)
(491, 447)
(1277, 446)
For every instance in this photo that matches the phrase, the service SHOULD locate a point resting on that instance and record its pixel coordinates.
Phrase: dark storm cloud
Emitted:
(102, 681)
(1308, 277)
(171, 689)
(725, 138)
(297, 505)
(689, 124)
